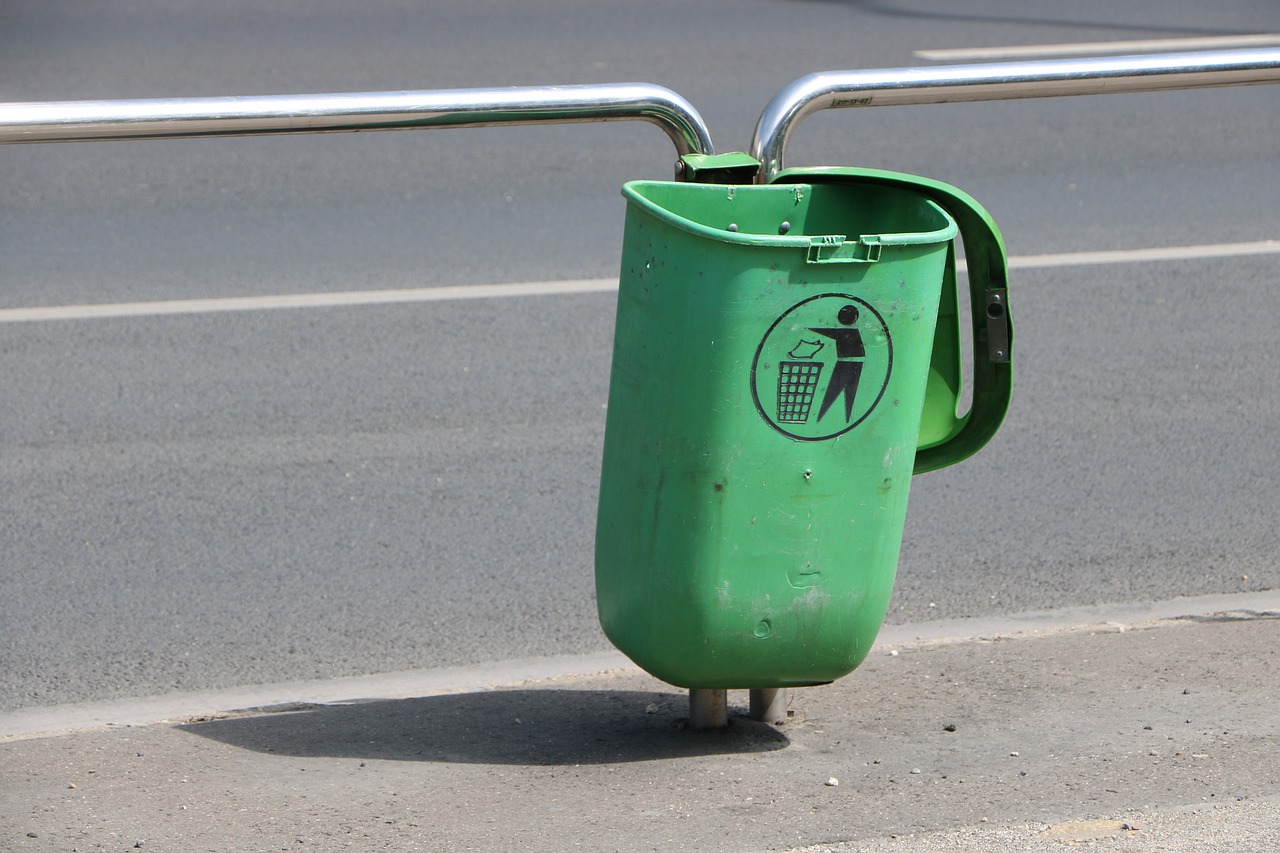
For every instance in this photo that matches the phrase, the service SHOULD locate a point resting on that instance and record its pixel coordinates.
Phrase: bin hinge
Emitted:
(834, 249)
(997, 326)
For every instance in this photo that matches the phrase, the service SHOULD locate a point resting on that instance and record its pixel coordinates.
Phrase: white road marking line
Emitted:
(1134, 256)
(350, 298)
(217, 305)
(1087, 48)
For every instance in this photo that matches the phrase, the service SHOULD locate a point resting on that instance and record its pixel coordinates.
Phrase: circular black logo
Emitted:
(822, 367)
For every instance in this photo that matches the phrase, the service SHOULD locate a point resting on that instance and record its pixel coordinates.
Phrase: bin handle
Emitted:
(987, 264)
(836, 249)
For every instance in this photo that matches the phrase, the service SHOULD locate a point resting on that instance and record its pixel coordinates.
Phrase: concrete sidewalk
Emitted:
(1160, 735)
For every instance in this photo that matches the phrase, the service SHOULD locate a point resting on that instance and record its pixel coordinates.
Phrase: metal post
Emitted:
(769, 704)
(708, 708)
(168, 118)
(1000, 81)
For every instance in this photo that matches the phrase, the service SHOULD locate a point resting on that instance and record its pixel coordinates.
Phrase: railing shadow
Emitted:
(516, 727)
(889, 8)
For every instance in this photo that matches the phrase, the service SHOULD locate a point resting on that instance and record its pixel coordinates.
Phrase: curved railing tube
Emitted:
(163, 118)
(1000, 81)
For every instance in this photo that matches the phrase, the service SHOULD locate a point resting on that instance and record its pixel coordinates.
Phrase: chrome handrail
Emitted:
(1000, 81)
(167, 118)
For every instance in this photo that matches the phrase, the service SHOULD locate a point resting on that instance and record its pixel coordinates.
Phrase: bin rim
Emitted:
(631, 191)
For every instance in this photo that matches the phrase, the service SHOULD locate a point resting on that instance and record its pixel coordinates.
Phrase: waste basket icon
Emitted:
(779, 373)
(797, 383)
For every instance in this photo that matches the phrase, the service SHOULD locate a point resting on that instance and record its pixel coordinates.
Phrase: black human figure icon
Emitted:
(848, 369)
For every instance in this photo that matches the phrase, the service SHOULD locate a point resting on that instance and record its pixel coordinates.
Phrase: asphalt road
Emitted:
(217, 500)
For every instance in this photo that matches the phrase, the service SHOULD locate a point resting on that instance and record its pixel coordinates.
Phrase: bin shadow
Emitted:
(516, 727)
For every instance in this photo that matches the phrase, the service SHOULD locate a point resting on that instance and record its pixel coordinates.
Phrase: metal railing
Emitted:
(1000, 81)
(160, 118)
(168, 118)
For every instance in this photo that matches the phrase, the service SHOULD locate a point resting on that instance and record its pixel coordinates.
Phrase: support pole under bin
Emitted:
(708, 708)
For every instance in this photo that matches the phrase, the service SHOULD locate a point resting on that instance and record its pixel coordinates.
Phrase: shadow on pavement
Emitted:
(520, 727)
(904, 10)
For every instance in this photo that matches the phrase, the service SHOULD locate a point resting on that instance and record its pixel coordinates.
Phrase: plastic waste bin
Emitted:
(774, 351)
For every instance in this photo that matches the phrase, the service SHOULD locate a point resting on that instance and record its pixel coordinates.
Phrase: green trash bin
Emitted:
(774, 352)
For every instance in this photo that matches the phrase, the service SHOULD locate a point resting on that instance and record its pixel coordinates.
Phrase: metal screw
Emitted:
(784, 227)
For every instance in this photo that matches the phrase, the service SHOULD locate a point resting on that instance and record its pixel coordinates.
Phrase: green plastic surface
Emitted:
(771, 359)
